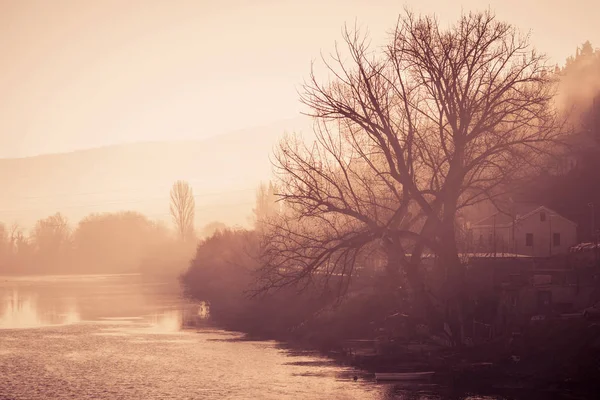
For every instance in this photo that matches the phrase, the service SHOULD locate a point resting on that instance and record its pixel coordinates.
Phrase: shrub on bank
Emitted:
(222, 274)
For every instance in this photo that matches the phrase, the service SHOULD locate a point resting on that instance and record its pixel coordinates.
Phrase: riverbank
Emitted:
(550, 358)
(369, 328)
(554, 359)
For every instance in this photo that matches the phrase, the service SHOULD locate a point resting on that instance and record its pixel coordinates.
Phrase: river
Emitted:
(121, 337)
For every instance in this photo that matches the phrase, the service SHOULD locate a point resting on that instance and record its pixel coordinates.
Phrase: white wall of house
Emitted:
(549, 234)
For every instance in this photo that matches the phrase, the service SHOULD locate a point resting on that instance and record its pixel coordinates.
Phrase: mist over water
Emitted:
(122, 337)
(411, 189)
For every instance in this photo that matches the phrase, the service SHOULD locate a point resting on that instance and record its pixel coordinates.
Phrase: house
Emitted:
(532, 230)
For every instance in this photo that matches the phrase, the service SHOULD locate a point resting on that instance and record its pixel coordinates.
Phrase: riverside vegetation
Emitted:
(409, 140)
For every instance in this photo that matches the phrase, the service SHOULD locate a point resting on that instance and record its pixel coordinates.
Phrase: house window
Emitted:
(529, 239)
(542, 216)
(556, 239)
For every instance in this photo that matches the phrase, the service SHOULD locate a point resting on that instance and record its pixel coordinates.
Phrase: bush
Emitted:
(222, 274)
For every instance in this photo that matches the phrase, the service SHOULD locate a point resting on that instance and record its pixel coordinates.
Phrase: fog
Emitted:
(192, 189)
(579, 85)
(139, 176)
(142, 154)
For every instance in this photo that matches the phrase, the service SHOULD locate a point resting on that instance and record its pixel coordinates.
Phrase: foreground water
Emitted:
(120, 337)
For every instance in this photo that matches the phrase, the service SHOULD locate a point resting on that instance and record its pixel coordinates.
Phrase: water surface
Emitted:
(120, 337)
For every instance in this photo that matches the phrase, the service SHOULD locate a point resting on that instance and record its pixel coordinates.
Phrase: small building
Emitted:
(537, 232)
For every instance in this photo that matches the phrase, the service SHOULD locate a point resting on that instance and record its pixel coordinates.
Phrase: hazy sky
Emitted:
(84, 73)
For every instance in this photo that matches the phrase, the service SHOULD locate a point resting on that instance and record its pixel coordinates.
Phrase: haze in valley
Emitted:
(299, 199)
(192, 90)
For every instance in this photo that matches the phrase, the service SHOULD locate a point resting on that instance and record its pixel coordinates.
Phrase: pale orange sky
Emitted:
(84, 73)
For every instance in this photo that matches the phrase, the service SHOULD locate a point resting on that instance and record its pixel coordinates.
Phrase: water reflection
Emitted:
(121, 337)
(23, 311)
(167, 322)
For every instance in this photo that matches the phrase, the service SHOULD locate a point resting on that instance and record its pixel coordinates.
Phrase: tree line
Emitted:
(125, 241)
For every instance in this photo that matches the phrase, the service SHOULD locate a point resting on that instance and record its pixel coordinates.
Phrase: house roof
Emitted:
(506, 218)
(497, 218)
(522, 212)
(549, 211)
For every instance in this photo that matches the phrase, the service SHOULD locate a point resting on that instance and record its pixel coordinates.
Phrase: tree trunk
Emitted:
(422, 303)
(454, 292)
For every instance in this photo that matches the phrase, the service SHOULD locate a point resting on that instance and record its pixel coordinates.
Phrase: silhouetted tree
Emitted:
(224, 257)
(440, 120)
(22, 249)
(183, 209)
(51, 237)
(107, 242)
(221, 274)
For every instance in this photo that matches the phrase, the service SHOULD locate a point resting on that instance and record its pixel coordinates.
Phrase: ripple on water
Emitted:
(148, 356)
(156, 367)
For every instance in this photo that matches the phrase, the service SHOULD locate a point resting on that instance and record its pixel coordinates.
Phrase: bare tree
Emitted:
(406, 138)
(18, 239)
(20, 248)
(52, 234)
(51, 239)
(183, 209)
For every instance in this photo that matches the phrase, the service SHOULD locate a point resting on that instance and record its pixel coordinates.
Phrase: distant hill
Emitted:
(224, 171)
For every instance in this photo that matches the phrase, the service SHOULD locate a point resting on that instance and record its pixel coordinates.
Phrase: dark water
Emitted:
(120, 337)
